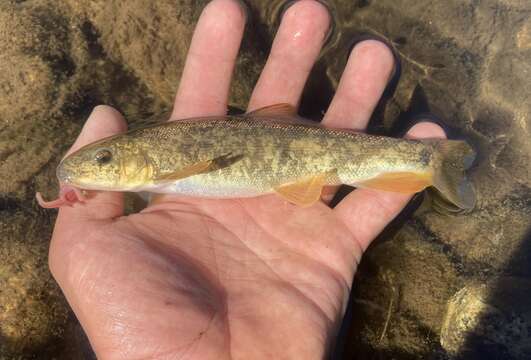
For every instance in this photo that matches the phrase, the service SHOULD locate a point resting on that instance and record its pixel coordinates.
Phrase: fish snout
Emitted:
(62, 174)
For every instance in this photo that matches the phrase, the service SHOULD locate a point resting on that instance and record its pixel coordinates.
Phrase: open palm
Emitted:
(239, 278)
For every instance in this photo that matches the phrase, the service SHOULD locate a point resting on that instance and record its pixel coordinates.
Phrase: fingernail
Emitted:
(331, 28)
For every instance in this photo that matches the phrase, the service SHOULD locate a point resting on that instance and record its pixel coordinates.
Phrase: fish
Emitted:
(269, 150)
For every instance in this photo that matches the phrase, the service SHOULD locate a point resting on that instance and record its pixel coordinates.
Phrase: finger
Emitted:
(369, 68)
(207, 73)
(103, 121)
(366, 212)
(296, 46)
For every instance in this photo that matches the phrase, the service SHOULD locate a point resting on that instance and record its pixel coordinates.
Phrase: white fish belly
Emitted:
(197, 186)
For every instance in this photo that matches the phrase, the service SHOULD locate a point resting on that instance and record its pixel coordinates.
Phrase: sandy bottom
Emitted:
(431, 286)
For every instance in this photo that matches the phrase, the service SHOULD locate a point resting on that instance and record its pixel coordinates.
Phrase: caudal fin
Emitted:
(454, 157)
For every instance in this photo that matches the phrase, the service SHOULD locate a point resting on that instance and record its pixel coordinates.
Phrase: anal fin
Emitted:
(402, 182)
(305, 192)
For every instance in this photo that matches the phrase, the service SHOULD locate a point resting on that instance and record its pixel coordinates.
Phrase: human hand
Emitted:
(243, 278)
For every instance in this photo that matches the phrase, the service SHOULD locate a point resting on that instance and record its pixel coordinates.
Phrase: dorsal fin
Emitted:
(275, 110)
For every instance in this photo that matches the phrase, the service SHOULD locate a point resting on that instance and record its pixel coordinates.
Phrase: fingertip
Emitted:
(308, 14)
(377, 51)
(223, 13)
(107, 119)
(426, 130)
(205, 81)
(296, 47)
(366, 76)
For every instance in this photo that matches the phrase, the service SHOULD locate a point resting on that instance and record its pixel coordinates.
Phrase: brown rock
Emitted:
(467, 60)
(400, 296)
(151, 39)
(487, 318)
(32, 309)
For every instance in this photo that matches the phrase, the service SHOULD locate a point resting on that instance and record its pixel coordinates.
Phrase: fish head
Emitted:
(112, 164)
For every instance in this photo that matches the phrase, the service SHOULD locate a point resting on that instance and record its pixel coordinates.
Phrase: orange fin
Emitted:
(155, 198)
(305, 192)
(275, 110)
(194, 169)
(402, 182)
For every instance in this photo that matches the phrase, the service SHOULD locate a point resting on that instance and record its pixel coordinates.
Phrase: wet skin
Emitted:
(242, 278)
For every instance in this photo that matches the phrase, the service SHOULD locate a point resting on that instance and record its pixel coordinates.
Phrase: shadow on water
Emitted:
(503, 331)
(503, 328)
(317, 94)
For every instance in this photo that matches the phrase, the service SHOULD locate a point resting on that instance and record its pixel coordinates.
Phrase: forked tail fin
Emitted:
(450, 180)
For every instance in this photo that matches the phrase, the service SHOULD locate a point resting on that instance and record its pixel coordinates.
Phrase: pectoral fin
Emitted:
(305, 192)
(199, 168)
(194, 169)
(275, 110)
(402, 182)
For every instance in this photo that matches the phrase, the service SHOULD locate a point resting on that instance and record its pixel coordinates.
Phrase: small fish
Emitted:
(269, 150)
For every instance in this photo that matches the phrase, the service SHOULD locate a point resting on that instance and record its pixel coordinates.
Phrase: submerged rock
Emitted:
(399, 297)
(33, 312)
(489, 320)
(468, 61)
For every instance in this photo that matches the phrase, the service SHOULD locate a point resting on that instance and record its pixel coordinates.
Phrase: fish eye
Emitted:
(103, 156)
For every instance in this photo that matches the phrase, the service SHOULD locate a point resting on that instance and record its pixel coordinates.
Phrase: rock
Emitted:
(465, 60)
(34, 45)
(489, 320)
(31, 49)
(400, 296)
(33, 311)
(53, 71)
(151, 39)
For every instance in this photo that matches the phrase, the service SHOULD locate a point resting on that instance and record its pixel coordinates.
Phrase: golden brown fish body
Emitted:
(253, 154)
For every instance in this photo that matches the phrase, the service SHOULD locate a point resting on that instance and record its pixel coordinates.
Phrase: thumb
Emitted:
(104, 121)
(82, 219)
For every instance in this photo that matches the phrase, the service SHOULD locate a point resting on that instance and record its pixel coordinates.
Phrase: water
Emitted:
(465, 61)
